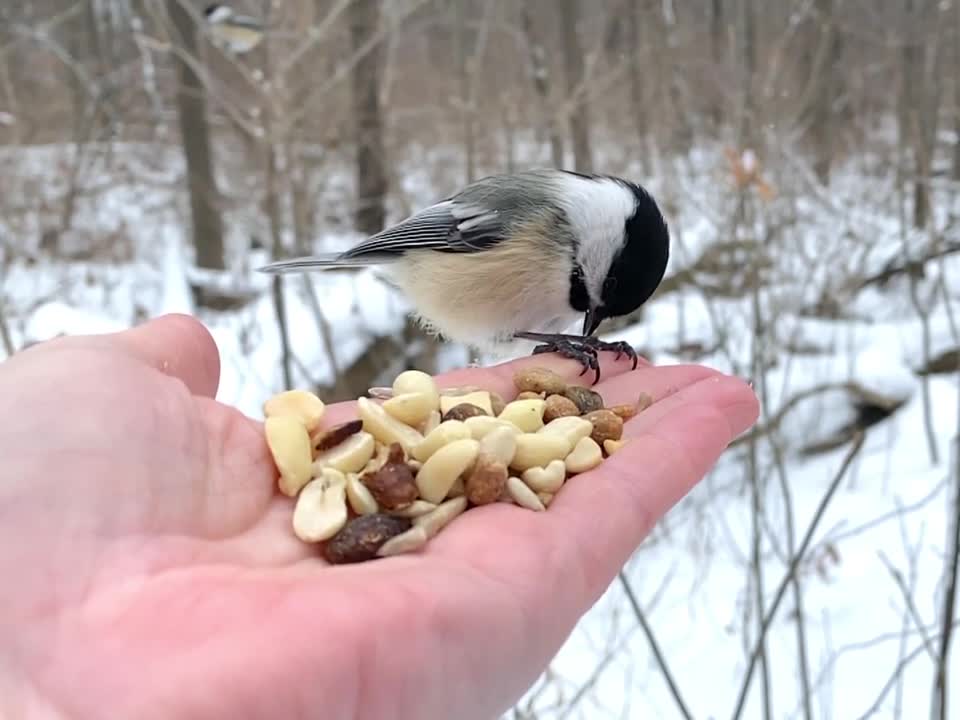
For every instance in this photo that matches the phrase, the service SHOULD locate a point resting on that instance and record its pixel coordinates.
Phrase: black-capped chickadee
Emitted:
(236, 33)
(522, 256)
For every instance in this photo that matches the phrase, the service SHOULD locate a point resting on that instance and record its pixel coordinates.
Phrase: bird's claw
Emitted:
(584, 350)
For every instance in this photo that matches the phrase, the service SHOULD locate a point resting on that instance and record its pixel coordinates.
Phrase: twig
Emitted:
(901, 666)
(950, 599)
(657, 654)
(908, 599)
(801, 553)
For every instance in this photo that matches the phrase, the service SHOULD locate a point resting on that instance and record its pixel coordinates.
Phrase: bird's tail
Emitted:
(314, 262)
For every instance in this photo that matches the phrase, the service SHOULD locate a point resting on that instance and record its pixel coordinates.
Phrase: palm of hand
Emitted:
(157, 574)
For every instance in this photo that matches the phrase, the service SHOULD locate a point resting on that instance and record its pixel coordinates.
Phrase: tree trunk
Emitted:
(466, 111)
(956, 92)
(195, 136)
(748, 68)
(371, 164)
(637, 105)
(540, 73)
(576, 91)
(717, 45)
(822, 120)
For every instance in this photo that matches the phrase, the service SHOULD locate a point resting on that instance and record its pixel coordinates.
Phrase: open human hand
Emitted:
(150, 569)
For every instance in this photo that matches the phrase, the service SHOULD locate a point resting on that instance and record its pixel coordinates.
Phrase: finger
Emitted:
(499, 378)
(606, 513)
(179, 346)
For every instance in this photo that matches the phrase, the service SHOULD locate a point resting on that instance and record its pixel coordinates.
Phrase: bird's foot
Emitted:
(584, 350)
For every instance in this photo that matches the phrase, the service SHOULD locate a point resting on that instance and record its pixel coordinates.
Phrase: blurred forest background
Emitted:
(807, 155)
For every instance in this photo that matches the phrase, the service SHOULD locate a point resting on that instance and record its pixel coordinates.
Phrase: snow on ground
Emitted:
(692, 574)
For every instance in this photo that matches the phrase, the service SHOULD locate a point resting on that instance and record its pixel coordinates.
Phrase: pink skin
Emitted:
(150, 570)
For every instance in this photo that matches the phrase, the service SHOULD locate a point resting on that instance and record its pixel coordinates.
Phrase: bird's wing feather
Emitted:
(448, 226)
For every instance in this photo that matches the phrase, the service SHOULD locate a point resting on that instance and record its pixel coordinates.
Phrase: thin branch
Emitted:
(908, 599)
(801, 553)
(657, 654)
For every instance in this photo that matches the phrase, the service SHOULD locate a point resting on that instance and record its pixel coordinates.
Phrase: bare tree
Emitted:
(576, 91)
(371, 176)
(541, 77)
(195, 136)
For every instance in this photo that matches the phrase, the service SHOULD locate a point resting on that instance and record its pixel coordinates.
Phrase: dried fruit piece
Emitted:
(289, 445)
(463, 411)
(525, 414)
(384, 427)
(611, 446)
(406, 542)
(417, 381)
(546, 479)
(410, 408)
(585, 456)
(538, 450)
(349, 456)
(359, 497)
(523, 495)
(415, 509)
(321, 509)
(445, 433)
(486, 481)
(300, 404)
(378, 460)
(607, 425)
(481, 399)
(337, 434)
(360, 538)
(539, 379)
(557, 406)
(585, 398)
(434, 521)
(500, 444)
(392, 486)
(481, 425)
(443, 467)
(570, 428)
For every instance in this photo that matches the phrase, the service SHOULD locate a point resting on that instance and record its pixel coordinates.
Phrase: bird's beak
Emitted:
(591, 321)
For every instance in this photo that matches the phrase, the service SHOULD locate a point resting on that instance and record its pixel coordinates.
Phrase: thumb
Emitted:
(179, 346)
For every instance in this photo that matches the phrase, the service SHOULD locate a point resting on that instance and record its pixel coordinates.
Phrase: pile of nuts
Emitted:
(387, 482)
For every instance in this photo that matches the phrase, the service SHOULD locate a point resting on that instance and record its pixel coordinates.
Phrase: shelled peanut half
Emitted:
(416, 457)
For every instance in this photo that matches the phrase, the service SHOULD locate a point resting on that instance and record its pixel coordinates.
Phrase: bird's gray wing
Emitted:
(451, 225)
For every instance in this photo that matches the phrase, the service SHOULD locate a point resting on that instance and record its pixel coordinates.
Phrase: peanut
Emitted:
(415, 381)
(486, 481)
(546, 479)
(539, 379)
(538, 450)
(481, 425)
(290, 447)
(611, 446)
(300, 404)
(445, 433)
(500, 444)
(496, 403)
(607, 425)
(481, 399)
(559, 406)
(585, 456)
(384, 427)
(570, 428)
(435, 520)
(523, 495)
(321, 509)
(392, 486)
(443, 467)
(624, 412)
(359, 497)
(408, 541)
(525, 414)
(527, 395)
(349, 456)
(585, 398)
(430, 424)
(546, 498)
(410, 408)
